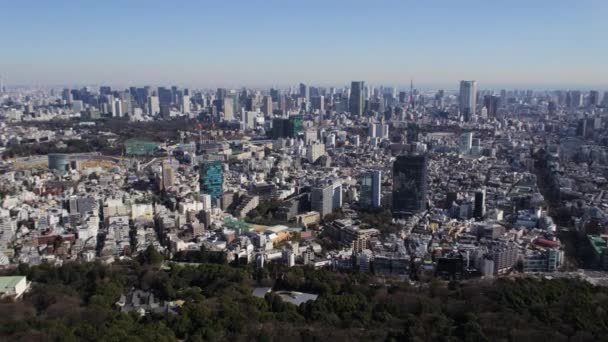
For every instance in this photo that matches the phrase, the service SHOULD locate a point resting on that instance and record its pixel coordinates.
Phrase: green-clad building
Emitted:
(211, 178)
(287, 128)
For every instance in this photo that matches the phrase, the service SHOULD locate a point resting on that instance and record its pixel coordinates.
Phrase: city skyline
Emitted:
(211, 44)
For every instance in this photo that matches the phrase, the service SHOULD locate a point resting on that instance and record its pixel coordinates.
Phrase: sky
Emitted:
(533, 43)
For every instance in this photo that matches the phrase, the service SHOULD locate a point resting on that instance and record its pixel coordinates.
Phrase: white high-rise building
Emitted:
(185, 104)
(468, 99)
(229, 108)
(314, 152)
(249, 120)
(117, 108)
(153, 105)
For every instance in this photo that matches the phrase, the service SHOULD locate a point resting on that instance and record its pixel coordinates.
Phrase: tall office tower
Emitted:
(337, 195)
(153, 105)
(165, 111)
(274, 94)
(175, 95)
(605, 99)
(318, 103)
(466, 142)
(66, 95)
(267, 105)
(594, 98)
(105, 90)
(185, 104)
(304, 91)
(479, 210)
(228, 107)
(248, 122)
(279, 128)
(382, 130)
(221, 93)
(574, 99)
(503, 95)
(409, 185)
(492, 104)
(168, 179)
(77, 106)
(2, 89)
(402, 97)
(211, 178)
(321, 199)
(552, 108)
(287, 128)
(117, 108)
(357, 99)
(468, 99)
(251, 104)
(371, 189)
(164, 96)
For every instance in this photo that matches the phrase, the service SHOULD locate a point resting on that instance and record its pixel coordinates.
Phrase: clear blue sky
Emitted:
(553, 43)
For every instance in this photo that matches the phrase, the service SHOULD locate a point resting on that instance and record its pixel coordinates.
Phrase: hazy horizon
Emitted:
(517, 44)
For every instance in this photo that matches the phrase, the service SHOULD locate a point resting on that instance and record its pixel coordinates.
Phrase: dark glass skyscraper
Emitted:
(371, 189)
(409, 185)
(357, 100)
(287, 128)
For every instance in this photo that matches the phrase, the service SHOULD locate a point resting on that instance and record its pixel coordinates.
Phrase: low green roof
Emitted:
(598, 243)
(8, 283)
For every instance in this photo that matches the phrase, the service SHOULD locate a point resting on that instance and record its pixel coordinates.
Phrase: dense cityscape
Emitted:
(303, 171)
(404, 185)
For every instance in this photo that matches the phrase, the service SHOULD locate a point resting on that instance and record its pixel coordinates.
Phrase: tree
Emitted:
(151, 256)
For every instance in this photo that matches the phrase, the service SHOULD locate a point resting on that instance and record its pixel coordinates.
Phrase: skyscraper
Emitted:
(153, 105)
(304, 91)
(164, 96)
(221, 93)
(409, 185)
(371, 189)
(117, 108)
(468, 100)
(574, 99)
(228, 107)
(211, 178)
(321, 199)
(491, 103)
(185, 104)
(168, 175)
(479, 210)
(318, 103)
(357, 100)
(267, 105)
(594, 98)
(466, 142)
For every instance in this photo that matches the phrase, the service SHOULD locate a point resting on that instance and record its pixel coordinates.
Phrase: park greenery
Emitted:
(75, 302)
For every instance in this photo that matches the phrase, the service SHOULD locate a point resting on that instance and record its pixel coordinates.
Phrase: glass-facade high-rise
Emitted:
(287, 128)
(357, 98)
(468, 99)
(211, 178)
(409, 185)
(370, 196)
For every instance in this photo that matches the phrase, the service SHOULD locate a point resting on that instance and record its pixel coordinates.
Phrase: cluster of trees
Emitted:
(75, 302)
(379, 219)
(89, 144)
(94, 142)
